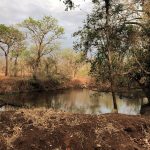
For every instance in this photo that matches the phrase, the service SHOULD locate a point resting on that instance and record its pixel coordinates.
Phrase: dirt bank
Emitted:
(42, 129)
(15, 85)
(22, 85)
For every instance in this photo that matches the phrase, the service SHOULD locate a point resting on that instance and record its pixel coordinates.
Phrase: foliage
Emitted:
(109, 39)
(11, 39)
(70, 62)
(140, 52)
(43, 34)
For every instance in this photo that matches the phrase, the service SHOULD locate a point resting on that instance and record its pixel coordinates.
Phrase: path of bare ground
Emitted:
(41, 129)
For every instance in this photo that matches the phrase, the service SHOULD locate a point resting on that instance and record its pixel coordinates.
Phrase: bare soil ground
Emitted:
(42, 129)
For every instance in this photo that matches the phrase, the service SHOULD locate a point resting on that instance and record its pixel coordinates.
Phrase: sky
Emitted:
(15, 11)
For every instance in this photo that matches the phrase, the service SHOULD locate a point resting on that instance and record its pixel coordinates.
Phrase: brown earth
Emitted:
(42, 129)
(12, 84)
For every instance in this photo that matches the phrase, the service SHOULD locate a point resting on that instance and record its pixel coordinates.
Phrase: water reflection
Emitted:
(77, 101)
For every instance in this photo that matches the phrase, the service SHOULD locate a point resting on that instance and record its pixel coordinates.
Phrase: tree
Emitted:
(138, 68)
(44, 34)
(106, 36)
(14, 56)
(71, 62)
(70, 3)
(50, 65)
(140, 51)
(10, 38)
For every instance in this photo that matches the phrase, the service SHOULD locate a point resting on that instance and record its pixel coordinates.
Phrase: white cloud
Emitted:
(14, 11)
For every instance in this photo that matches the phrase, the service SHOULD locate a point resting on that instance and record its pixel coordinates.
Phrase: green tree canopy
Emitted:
(10, 39)
(43, 35)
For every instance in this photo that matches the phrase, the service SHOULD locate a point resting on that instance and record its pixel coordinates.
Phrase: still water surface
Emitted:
(77, 101)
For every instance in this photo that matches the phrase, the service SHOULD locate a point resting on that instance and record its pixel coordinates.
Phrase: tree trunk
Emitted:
(36, 67)
(35, 73)
(146, 92)
(74, 74)
(15, 68)
(109, 57)
(6, 65)
(112, 82)
(47, 69)
(113, 93)
(144, 88)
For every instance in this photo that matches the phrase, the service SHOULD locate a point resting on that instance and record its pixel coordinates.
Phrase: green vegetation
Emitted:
(117, 44)
(43, 33)
(11, 39)
(32, 48)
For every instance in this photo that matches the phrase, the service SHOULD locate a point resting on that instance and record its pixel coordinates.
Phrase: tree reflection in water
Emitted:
(77, 101)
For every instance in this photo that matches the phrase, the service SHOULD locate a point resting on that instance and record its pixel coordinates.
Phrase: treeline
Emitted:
(32, 48)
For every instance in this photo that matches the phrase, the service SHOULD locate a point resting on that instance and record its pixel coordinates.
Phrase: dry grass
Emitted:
(16, 134)
(40, 116)
(42, 128)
